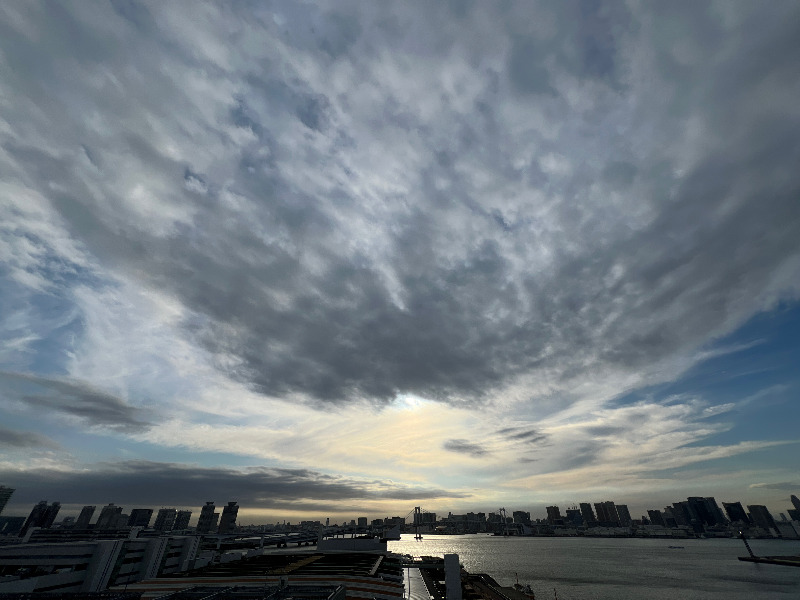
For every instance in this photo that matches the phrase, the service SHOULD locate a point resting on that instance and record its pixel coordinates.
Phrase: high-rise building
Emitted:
(182, 520)
(82, 522)
(587, 514)
(108, 518)
(140, 517)
(573, 517)
(522, 517)
(706, 510)
(624, 515)
(553, 514)
(227, 522)
(207, 521)
(42, 516)
(736, 512)
(607, 513)
(656, 518)
(795, 502)
(5, 494)
(794, 514)
(165, 519)
(761, 517)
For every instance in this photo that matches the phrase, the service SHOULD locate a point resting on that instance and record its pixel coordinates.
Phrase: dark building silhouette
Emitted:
(761, 517)
(736, 512)
(656, 518)
(5, 495)
(607, 513)
(553, 514)
(109, 517)
(182, 519)
(624, 515)
(573, 517)
(11, 525)
(140, 517)
(207, 522)
(587, 514)
(794, 514)
(706, 510)
(165, 519)
(82, 522)
(42, 515)
(795, 501)
(227, 523)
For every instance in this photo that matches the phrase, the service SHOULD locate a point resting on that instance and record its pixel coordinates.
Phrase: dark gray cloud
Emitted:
(343, 244)
(10, 438)
(80, 399)
(522, 434)
(465, 447)
(144, 482)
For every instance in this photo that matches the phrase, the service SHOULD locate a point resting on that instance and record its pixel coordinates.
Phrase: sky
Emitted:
(344, 259)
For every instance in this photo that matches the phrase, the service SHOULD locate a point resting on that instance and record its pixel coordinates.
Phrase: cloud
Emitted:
(465, 447)
(10, 438)
(145, 482)
(79, 399)
(331, 249)
(786, 486)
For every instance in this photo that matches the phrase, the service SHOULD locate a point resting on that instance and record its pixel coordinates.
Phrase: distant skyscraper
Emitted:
(83, 519)
(108, 518)
(607, 513)
(656, 518)
(165, 519)
(573, 517)
(553, 514)
(624, 515)
(42, 516)
(761, 517)
(587, 514)
(207, 521)
(227, 522)
(706, 510)
(5, 494)
(140, 517)
(182, 519)
(795, 502)
(736, 512)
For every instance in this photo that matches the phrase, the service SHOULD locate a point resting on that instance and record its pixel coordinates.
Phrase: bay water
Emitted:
(581, 568)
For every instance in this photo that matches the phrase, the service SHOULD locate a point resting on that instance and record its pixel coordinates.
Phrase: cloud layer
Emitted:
(213, 216)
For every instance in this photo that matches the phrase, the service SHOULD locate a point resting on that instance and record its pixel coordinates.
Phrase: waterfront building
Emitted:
(624, 515)
(553, 514)
(42, 515)
(182, 520)
(656, 518)
(165, 519)
(362, 521)
(140, 517)
(573, 517)
(82, 522)
(109, 517)
(736, 512)
(761, 517)
(522, 517)
(5, 495)
(227, 522)
(607, 513)
(587, 514)
(794, 514)
(706, 510)
(207, 522)
(795, 502)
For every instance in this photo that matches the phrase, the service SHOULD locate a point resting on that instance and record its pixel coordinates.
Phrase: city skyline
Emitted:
(354, 259)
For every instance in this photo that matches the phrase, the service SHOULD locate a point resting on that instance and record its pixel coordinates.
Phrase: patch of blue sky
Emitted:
(753, 371)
